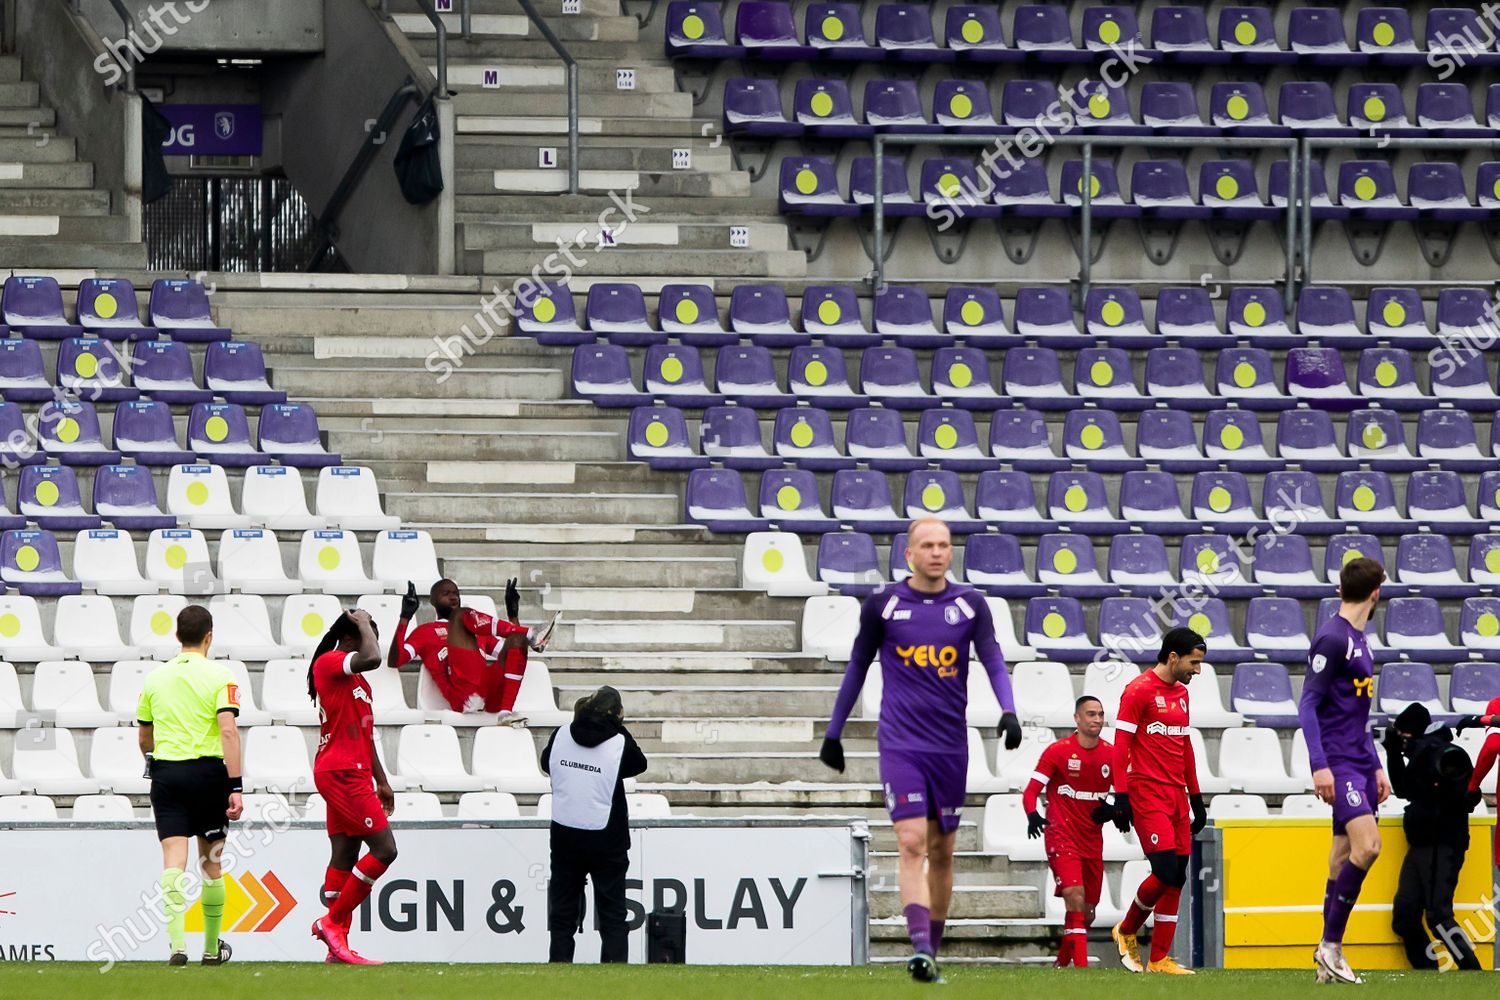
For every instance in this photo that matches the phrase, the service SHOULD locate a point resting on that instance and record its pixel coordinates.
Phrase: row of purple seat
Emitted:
(974, 316)
(1139, 564)
(1032, 377)
(32, 306)
(823, 109)
(1160, 190)
(766, 29)
(144, 430)
(1259, 686)
(1365, 500)
(99, 370)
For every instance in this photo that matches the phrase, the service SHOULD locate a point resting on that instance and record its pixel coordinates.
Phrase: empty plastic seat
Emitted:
(30, 562)
(1233, 806)
(1129, 629)
(506, 759)
(305, 619)
(1369, 187)
(242, 628)
(601, 373)
(1448, 109)
(1007, 499)
(348, 497)
(68, 432)
(177, 561)
(46, 763)
(994, 563)
(153, 625)
(107, 307)
(272, 497)
(617, 310)
(1307, 436)
(1274, 627)
(1034, 375)
(1176, 373)
(789, 499)
(1080, 498)
(22, 377)
(774, 562)
(905, 315)
(144, 431)
(103, 808)
(950, 438)
(1043, 29)
(716, 497)
(289, 433)
(1437, 495)
(1066, 560)
(1211, 561)
(690, 313)
(1046, 314)
(1426, 560)
(48, 495)
(428, 757)
(1056, 624)
(1222, 497)
(1402, 684)
(125, 495)
(219, 432)
(904, 31)
(1245, 375)
(250, 561)
(761, 312)
(236, 371)
(179, 309)
(938, 493)
(1414, 625)
(21, 627)
(1105, 374)
(1250, 759)
(87, 623)
(284, 692)
(32, 306)
(1020, 437)
(961, 376)
(963, 105)
(276, 759)
(488, 806)
(104, 562)
(847, 562)
(1139, 560)
(731, 434)
(199, 495)
(1284, 562)
(747, 375)
(1094, 436)
(90, 369)
(1247, 31)
(1168, 437)
(975, 33)
(65, 692)
(1105, 199)
(1471, 687)
(329, 560)
(163, 370)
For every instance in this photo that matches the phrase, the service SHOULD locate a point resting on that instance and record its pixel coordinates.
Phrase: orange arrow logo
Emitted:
(250, 904)
(285, 902)
(260, 903)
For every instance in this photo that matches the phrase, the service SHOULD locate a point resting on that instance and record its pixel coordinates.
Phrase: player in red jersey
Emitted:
(476, 660)
(1156, 783)
(1075, 774)
(349, 777)
(1489, 751)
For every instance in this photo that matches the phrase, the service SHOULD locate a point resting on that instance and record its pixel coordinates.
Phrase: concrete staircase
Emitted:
(510, 99)
(51, 215)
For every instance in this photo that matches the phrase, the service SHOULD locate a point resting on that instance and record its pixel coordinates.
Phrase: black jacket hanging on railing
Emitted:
(419, 168)
(155, 130)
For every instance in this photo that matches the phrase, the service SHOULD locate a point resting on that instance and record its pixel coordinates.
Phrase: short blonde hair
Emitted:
(911, 529)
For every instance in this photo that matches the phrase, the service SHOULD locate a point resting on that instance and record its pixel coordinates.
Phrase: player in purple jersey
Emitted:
(922, 629)
(1335, 714)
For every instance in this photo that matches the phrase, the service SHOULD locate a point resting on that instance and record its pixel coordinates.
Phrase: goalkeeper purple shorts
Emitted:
(921, 784)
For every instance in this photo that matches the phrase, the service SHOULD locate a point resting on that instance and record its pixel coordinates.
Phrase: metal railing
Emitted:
(572, 70)
(1363, 142)
(128, 20)
(1086, 219)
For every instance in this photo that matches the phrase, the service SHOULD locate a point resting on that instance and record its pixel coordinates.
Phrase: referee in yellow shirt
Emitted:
(189, 735)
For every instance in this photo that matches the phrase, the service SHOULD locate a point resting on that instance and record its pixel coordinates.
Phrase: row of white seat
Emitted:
(330, 560)
(262, 807)
(66, 693)
(271, 496)
(1250, 759)
(85, 626)
(279, 759)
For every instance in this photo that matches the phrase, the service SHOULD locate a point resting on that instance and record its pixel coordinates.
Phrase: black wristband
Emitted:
(236, 785)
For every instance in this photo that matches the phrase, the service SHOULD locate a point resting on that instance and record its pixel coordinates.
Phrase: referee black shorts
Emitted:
(190, 798)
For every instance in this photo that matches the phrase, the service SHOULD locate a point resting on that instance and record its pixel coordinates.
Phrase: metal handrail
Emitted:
(442, 43)
(466, 20)
(128, 19)
(572, 64)
(1088, 142)
(1363, 142)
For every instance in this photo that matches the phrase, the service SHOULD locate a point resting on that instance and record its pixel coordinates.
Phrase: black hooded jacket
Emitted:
(1432, 773)
(590, 729)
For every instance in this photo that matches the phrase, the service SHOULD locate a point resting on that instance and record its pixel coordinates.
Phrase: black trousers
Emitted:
(1429, 876)
(565, 905)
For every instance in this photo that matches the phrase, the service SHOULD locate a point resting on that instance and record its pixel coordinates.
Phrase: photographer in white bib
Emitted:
(589, 760)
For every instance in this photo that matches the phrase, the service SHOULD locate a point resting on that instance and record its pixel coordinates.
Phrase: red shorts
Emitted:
(353, 807)
(1070, 869)
(1163, 821)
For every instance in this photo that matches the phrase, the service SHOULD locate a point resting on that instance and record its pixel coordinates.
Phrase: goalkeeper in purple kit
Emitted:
(922, 629)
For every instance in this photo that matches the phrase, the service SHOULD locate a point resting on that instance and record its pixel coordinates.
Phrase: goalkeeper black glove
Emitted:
(512, 600)
(409, 602)
(1010, 728)
(1103, 813)
(1473, 799)
(1035, 824)
(1200, 812)
(1469, 722)
(832, 754)
(1122, 812)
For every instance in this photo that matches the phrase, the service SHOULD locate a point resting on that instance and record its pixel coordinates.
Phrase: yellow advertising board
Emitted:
(1274, 875)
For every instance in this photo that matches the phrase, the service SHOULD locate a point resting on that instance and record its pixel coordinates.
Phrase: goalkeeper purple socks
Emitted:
(919, 927)
(1341, 903)
(937, 935)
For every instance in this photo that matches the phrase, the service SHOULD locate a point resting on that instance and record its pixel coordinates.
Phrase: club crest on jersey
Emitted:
(951, 614)
(1318, 663)
(1103, 770)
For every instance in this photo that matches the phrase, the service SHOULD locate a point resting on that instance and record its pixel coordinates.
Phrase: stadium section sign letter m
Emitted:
(754, 892)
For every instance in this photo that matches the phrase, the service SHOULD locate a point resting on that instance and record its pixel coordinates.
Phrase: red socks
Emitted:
(1165, 927)
(356, 889)
(333, 884)
(1075, 942)
(1140, 907)
(513, 661)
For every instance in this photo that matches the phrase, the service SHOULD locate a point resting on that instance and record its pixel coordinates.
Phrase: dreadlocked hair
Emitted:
(336, 633)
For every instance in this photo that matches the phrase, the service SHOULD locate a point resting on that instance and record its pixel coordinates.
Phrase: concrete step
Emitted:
(542, 508)
(973, 901)
(883, 835)
(54, 201)
(44, 176)
(808, 703)
(646, 185)
(590, 667)
(980, 939)
(698, 633)
(964, 862)
(687, 603)
(552, 10)
(714, 207)
(698, 234)
(472, 382)
(31, 254)
(43, 148)
(18, 93)
(10, 69)
(589, 126)
(533, 76)
(610, 476)
(44, 227)
(628, 262)
(596, 103)
(582, 571)
(493, 445)
(490, 27)
(596, 152)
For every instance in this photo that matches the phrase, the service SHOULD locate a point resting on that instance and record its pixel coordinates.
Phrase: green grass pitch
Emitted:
(279, 981)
